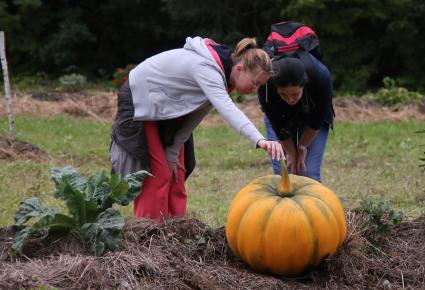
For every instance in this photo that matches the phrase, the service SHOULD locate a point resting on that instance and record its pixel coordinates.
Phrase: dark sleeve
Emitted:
(272, 108)
(167, 130)
(129, 134)
(319, 90)
(189, 156)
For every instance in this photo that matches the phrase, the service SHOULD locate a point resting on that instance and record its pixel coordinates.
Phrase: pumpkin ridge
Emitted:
(277, 201)
(330, 209)
(325, 209)
(243, 217)
(263, 230)
(321, 206)
(315, 240)
(261, 192)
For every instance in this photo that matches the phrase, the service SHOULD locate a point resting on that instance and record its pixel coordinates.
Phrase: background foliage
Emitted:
(363, 41)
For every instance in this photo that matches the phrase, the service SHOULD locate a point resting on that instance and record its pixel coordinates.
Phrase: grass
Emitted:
(378, 160)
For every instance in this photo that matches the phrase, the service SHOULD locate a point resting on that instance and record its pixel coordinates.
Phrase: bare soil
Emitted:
(187, 254)
(14, 149)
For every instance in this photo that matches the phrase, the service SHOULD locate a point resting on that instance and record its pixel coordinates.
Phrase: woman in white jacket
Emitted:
(182, 85)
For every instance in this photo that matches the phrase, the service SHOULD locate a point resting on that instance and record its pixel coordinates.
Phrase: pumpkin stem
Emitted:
(285, 187)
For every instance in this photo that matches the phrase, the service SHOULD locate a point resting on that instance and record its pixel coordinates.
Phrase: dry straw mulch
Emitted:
(187, 254)
(101, 106)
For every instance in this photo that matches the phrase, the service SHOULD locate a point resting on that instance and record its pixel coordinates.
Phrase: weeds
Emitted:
(381, 220)
(72, 82)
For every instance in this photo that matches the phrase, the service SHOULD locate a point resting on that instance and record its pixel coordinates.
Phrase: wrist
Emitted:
(302, 147)
(259, 143)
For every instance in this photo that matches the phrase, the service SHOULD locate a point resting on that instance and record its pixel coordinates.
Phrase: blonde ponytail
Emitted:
(251, 56)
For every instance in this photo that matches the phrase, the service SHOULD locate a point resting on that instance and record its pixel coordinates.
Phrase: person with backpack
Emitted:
(165, 98)
(297, 100)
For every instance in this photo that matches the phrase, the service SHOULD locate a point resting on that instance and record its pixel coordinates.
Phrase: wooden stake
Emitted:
(6, 83)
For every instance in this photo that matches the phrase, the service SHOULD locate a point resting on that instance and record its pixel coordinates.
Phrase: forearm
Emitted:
(307, 137)
(214, 89)
(189, 123)
(288, 146)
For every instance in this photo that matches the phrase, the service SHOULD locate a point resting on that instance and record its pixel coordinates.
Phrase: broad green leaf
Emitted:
(29, 208)
(67, 176)
(119, 189)
(135, 181)
(104, 233)
(71, 187)
(81, 209)
(106, 191)
(54, 223)
(99, 190)
(20, 238)
(50, 221)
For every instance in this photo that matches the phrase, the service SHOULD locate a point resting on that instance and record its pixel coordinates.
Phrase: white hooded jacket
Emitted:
(178, 82)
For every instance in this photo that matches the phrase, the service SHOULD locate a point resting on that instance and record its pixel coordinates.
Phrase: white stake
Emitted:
(6, 83)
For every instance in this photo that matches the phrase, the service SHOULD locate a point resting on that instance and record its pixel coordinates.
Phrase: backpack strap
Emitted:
(305, 57)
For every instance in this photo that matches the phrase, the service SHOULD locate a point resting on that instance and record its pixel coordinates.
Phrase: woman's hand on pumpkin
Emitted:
(174, 166)
(273, 148)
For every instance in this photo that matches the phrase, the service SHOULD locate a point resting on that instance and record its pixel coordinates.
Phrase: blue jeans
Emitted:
(315, 151)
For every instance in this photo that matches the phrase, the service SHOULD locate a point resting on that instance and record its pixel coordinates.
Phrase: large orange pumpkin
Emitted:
(285, 224)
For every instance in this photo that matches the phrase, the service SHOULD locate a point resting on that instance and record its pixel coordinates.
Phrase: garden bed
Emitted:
(187, 254)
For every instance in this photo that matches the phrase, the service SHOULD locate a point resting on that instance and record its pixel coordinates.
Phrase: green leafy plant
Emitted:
(72, 81)
(90, 208)
(391, 94)
(381, 219)
(121, 75)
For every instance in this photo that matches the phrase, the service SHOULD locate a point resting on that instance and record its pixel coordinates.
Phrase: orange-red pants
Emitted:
(161, 196)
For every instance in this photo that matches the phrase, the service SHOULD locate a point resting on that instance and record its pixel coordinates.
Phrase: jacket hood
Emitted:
(197, 45)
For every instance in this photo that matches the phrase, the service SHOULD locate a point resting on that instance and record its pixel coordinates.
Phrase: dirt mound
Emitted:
(101, 106)
(187, 254)
(346, 110)
(13, 149)
(361, 110)
(98, 105)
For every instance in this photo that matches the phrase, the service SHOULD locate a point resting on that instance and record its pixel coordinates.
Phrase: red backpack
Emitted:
(290, 36)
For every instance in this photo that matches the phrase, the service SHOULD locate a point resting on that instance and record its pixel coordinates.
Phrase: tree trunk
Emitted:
(6, 83)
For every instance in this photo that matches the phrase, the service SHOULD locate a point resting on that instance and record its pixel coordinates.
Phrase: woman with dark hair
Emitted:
(297, 102)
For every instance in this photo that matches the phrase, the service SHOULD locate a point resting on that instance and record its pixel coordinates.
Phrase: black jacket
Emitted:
(313, 110)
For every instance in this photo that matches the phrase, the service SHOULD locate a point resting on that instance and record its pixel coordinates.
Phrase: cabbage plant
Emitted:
(90, 208)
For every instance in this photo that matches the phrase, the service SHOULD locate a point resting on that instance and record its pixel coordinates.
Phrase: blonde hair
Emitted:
(251, 56)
